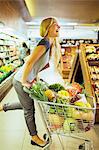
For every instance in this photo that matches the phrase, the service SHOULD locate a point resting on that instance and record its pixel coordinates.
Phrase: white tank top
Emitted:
(51, 75)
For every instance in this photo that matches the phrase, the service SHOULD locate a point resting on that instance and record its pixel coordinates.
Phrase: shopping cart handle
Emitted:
(27, 90)
(43, 81)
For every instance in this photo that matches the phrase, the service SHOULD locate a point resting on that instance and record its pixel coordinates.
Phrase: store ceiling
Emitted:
(81, 11)
(8, 8)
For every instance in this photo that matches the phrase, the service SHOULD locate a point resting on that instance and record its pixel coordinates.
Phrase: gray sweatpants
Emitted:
(28, 107)
(12, 106)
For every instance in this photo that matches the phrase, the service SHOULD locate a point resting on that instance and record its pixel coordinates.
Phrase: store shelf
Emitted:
(8, 55)
(90, 75)
(8, 48)
(67, 60)
(86, 64)
(93, 62)
(6, 44)
(5, 86)
(85, 71)
(74, 69)
(2, 51)
(97, 114)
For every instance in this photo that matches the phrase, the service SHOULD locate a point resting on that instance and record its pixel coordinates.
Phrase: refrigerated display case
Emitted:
(9, 61)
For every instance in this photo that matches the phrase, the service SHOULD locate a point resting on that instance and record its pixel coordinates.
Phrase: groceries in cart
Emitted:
(67, 108)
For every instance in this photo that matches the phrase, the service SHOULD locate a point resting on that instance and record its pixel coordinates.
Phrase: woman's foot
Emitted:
(1, 107)
(37, 141)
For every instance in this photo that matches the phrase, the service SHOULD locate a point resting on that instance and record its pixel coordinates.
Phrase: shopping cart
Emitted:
(67, 120)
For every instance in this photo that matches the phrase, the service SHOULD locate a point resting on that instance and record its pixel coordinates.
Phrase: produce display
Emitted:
(67, 59)
(8, 55)
(92, 56)
(66, 106)
(6, 71)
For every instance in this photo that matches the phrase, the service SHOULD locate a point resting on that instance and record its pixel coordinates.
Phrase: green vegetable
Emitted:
(52, 110)
(59, 110)
(56, 110)
(37, 91)
(56, 87)
(62, 101)
(69, 125)
(59, 100)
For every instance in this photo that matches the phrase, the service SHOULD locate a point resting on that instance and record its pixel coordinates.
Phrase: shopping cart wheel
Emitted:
(45, 137)
(82, 146)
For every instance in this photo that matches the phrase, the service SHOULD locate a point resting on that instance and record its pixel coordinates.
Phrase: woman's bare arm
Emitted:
(34, 57)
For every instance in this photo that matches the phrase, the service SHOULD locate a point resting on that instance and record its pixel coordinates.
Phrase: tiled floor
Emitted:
(14, 134)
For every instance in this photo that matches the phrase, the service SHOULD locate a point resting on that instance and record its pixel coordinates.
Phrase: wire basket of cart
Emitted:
(63, 113)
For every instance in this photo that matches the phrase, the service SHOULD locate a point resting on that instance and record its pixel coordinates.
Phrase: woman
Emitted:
(38, 60)
(23, 52)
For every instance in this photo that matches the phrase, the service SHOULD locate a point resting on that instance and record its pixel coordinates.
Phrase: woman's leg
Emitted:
(28, 107)
(29, 114)
(12, 106)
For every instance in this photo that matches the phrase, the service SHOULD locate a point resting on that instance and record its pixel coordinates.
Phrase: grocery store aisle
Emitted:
(14, 134)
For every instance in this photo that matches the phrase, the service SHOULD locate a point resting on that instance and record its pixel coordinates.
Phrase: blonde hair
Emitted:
(45, 25)
(56, 51)
(44, 28)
